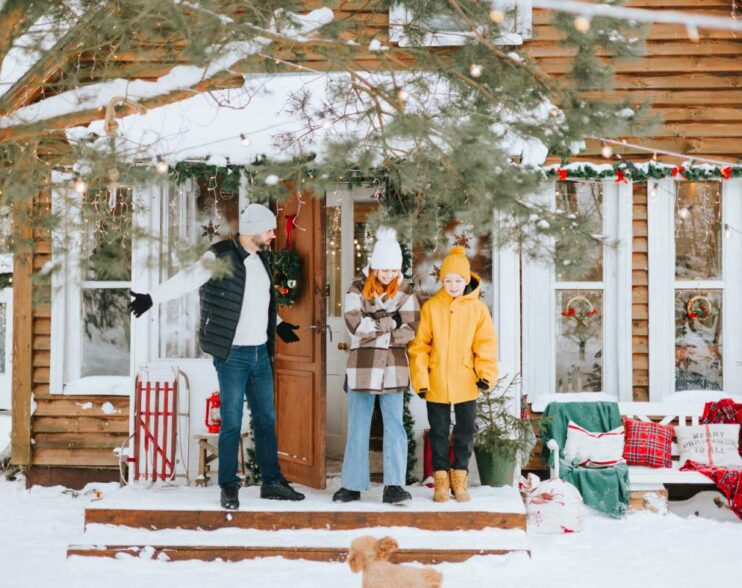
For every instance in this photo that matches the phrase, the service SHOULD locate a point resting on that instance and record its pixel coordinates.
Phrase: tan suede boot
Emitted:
(459, 481)
(442, 486)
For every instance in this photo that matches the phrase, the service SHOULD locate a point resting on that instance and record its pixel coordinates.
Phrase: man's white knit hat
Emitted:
(387, 253)
(256, 219)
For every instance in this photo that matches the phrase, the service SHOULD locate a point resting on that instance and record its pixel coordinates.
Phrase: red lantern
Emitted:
(213, 413)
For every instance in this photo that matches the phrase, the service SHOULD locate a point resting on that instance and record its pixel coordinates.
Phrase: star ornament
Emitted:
(462, 240)
(210, 230)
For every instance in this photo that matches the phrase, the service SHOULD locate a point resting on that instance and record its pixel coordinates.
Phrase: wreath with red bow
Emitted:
(287, 269)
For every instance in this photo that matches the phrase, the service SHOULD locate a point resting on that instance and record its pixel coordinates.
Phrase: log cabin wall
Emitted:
(696, 87)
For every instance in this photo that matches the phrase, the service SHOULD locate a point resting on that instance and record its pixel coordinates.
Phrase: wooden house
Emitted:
(679, 245)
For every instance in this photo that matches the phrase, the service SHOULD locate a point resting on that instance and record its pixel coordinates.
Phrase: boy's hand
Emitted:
(483, 385)
(286, 332)
(141, 303)
(422, 393)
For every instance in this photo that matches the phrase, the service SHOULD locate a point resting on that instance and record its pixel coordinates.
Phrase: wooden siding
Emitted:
(696, 87)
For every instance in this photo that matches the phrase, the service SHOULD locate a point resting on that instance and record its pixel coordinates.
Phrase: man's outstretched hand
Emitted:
(141, 303)
(286, 332)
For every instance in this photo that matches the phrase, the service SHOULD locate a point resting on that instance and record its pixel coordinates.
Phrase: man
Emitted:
(238, 327)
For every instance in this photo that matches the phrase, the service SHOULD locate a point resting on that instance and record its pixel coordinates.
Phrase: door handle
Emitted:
(342, 346)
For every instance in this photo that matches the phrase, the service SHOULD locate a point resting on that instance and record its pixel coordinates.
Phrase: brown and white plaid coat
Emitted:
(378, 360)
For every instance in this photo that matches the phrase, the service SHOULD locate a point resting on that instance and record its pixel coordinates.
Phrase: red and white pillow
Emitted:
(595, 450)
(713, 444)
(648, 444)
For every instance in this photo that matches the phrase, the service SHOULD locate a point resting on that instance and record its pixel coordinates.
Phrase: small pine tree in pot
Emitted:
(502, 437)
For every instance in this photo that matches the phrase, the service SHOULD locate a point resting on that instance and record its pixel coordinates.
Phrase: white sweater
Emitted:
(252, 326)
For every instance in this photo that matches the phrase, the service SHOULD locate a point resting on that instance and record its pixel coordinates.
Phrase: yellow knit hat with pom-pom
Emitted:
(456, 263)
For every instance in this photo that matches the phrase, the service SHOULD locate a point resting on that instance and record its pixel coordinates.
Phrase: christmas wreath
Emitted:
(287, 276)
(580, 309)
(700, 308)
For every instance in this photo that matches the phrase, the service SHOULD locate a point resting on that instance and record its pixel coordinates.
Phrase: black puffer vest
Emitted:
(221, 301)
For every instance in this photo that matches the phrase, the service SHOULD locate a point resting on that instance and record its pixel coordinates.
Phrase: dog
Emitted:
(370, 556)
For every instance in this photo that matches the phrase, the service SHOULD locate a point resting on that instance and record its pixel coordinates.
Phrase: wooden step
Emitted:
(238, 553)
(198, 508)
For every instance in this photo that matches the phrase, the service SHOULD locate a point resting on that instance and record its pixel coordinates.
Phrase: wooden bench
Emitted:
(208, 451)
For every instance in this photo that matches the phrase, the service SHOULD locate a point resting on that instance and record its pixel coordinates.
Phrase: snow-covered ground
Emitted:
(643, 549)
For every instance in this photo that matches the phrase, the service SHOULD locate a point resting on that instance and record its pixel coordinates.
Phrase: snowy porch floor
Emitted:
(176, 523)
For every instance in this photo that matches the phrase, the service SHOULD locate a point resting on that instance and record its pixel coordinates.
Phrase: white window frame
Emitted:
(540, 315)
(400, 17)
(67, 287)
(661, 235)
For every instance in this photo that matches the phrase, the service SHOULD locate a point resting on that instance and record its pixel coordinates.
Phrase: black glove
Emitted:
(286, 332)
(422, 393)
(483, 385)
(397, 319)
(141, 303)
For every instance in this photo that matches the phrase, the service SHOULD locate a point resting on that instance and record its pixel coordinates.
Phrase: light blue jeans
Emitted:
(355, 462)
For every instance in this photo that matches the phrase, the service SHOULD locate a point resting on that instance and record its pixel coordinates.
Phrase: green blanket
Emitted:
(604, 489)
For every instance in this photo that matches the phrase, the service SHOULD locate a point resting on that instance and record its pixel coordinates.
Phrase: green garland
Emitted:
(628, 171)
(409, 426)
(287, 265)
(228, 176)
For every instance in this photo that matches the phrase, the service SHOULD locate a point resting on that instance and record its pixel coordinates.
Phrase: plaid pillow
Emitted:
(648, 444)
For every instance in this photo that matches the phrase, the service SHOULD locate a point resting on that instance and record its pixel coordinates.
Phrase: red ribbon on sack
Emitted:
(290, 224)
(621, 177)
(562, 174)
(726, 172)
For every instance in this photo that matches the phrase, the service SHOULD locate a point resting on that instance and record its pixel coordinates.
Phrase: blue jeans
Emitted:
(355, 462)
(247, 373)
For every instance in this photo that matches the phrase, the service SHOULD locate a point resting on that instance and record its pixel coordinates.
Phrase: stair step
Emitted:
(198, 508)
(318, 545)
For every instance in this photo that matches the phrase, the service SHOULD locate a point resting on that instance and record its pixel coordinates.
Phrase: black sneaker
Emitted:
(231, 497)
(345, 495)
(279, 491)
(396, 495)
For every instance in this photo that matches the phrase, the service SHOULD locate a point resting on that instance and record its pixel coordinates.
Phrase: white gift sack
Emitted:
(552, 506)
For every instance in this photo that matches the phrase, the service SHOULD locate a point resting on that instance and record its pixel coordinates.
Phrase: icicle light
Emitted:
(606, 150)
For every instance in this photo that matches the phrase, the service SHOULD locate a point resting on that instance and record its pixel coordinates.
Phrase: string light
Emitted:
(554, 112)
(654, 156)
(684, 213)
(244, 139)
(402, 95)
(606, 150)
(582, 24)
(80, 186)
(693, 33)
(475, 70)
(497, 16)
(727, 231)
(653, 190)
(161, 165)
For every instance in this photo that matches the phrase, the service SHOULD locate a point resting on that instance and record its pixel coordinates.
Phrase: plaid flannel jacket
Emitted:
(378, 362)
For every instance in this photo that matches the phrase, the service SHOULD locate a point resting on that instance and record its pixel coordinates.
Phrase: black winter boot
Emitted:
(345, 495)
(279, 491)
(231, 497)
(396, 495)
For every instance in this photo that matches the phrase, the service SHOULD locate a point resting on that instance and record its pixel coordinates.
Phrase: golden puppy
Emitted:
(370, 556)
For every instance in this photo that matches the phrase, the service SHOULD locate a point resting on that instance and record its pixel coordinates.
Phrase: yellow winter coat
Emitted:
(455, 345)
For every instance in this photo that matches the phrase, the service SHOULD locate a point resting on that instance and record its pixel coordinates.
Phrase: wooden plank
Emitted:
(704, 130)
(80, 440)
(690, 82)
(82, 406)
(641, 378)
(657, 32)
(640, 394)
(640, 229)
(641, 362)
(687, 145)
(639, 294)
(22, 337)
(653, 49)
(40, 389)
(40, 375)
(50, 456)
(639, 261)
(640, 244)
(639, 278)
(639, 311)
(677, 96)
(654, 65)
(640, 327)
(701, 114)
(210, 520)
(41, 358)
(42, 343)
(241, 553)
(42, 326)
(80, 425)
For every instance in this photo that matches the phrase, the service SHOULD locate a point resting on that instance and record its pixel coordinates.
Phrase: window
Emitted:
(694, 269)
(577, 316)
(447, 28)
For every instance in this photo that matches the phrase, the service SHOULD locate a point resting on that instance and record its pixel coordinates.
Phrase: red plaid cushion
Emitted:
(648, 444)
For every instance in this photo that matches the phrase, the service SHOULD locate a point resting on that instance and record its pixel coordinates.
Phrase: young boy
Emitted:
(452, 358)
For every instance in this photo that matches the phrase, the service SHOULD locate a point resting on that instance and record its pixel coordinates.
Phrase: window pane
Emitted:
(579, 341)
(3, 326)
(107, 241)
(363, 237)
(334, 260)
(698, 358)
(698, 230)
(106, 332)
(583, 263)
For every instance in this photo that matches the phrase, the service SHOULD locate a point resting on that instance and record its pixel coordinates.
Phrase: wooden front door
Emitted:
(300, 366)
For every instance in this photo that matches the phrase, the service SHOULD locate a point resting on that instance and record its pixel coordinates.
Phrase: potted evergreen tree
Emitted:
(502, 437)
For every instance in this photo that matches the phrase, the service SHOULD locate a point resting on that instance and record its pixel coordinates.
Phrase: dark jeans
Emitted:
(247, 373)
(439, 419)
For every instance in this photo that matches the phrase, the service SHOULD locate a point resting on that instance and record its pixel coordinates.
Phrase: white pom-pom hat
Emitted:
(387, 253)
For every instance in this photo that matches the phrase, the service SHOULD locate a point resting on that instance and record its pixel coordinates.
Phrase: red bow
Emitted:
(621, 177)
(726, 172)
(290, 218)
(675, 171)
(562, 174)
